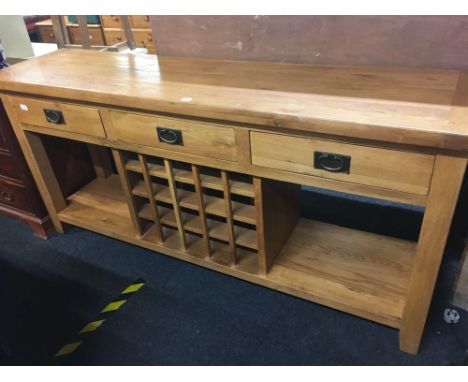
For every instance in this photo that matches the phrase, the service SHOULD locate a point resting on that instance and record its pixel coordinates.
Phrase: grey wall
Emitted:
(430, 41)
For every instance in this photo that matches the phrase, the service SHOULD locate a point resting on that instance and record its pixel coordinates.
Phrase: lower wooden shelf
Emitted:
(357, 272)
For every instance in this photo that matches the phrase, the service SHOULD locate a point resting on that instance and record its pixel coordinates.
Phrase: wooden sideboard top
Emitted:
(426, 107)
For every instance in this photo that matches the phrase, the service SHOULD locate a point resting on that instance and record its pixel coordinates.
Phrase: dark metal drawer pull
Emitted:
(170, 136)
(332, 162)
(54, 116)
(8, 196)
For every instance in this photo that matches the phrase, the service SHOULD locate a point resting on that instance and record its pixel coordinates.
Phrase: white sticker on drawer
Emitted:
(24, 107)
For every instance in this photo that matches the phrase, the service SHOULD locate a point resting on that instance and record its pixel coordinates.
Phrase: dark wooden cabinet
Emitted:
(19, 196)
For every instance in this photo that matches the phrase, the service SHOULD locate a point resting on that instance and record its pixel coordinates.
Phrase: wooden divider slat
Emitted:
(229, 220)
(150, 189)
(184, 176)
(217, 230)
(127, 188)
(201, 207)
(278, 211)
(241, 212)
(175, 202)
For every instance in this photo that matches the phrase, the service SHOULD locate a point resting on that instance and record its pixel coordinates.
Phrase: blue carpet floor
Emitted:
(184, 315)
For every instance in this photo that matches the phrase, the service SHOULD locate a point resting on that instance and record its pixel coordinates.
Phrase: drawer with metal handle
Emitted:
(170, 136)
(332, 162)
(397, 170)
(175, 134)
(59, 116)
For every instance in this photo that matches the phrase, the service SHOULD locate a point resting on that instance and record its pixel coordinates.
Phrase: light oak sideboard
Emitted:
(203, 160)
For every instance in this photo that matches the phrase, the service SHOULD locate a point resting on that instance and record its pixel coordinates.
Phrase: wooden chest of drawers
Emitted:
(110, 32)
(46, 32)
(141, 29)
(115, 21)
(114, 36)
(210, 157)
(19, 196)
(143, 38)
(96, 34)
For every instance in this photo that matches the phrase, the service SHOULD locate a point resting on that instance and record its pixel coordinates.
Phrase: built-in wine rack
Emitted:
(215, 212)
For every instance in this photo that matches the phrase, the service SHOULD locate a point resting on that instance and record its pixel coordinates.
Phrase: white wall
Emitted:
(15, 38)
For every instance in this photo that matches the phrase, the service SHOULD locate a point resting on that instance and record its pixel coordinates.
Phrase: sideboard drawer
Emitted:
(391, 169)
(111, 21)
(7, 166)
(140, 21)
(114, 36)
(96, 36)
(12, 194)
(144, 39)
(47, 34)
(60, 116)
(191, 137)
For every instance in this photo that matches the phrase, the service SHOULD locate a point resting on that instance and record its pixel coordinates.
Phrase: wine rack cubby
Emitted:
(228, 217)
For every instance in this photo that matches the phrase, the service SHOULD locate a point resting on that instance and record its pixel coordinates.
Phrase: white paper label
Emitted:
(24, 107)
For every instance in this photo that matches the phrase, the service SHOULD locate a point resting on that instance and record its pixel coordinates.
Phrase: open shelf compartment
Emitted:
(357, 272)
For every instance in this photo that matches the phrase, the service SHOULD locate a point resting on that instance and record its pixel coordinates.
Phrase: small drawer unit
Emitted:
(174, 134)
(403, 171)
(60, 116)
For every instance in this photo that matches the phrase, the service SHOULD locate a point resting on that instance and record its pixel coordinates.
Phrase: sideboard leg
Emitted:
(441, 201)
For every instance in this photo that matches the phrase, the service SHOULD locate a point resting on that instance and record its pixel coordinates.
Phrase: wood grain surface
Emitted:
(423, 107)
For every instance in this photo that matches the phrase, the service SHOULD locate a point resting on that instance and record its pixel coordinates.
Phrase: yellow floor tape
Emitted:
(94, 325)
(68, 348)
(115, 305)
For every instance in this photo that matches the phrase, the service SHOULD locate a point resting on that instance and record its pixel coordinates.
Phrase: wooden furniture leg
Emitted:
(41, 169)
(445, 185)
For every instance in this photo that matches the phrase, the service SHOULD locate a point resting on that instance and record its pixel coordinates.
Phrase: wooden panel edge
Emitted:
(443, 194)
